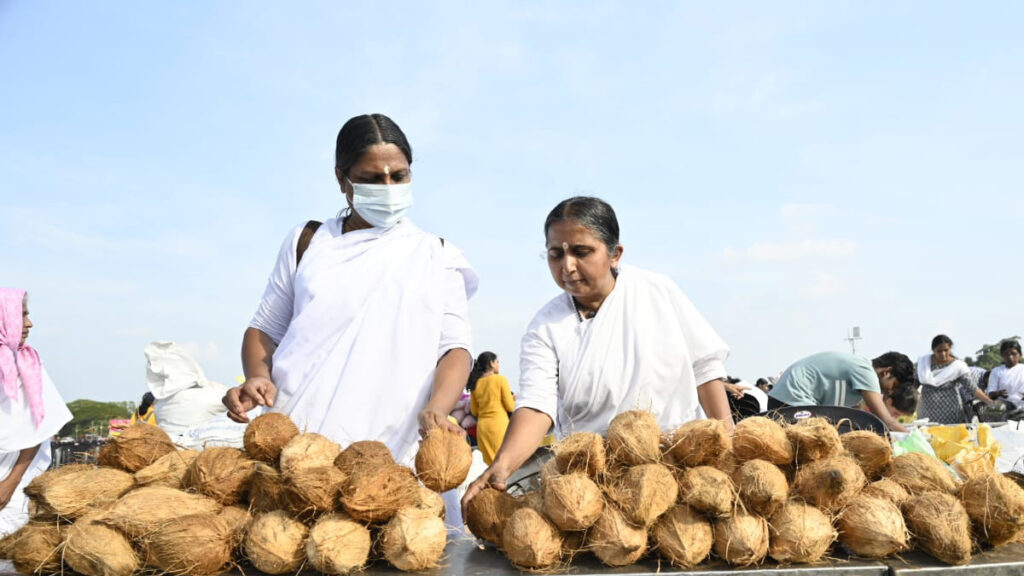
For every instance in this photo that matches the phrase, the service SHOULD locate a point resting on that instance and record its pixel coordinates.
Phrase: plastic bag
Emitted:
(915, 441)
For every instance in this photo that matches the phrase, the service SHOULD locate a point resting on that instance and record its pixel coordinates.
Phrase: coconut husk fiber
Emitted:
(443, 459)
(136, 447)
(430, 501)
(34, 548)
(533, 499)
(728, 463)
(995, 505)
(38, 511)
(920, 473)
(697, 443)
(222, 473)
(92, 549)
(167, 470)
(414, 539)
(940, 526)
(266, 493)
(799, 533)
(37, 487)
(871, 451)
(276, 543)
(831, 483)
(741, 539)
(337, 544)
(582, 452)
(645, 492)
(488, 513)
(313, 491)
(143, 510)
(614, 540)
(572, 501)
(813, 439)
(760, 437)
(872, 527)
(683, 536)
(363, 454)
(267, 434)
(308, 450)
(238, 519)
(761, 486)
(72, 495)
(634, 438)
(531, 541)
(888, 489)
(375, 494)
(196, 545)
(707, 489)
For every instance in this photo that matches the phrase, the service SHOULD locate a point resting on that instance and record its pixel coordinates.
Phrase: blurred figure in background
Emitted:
(491, 402)
(145, 413)
(945, 380)
(1007, 380)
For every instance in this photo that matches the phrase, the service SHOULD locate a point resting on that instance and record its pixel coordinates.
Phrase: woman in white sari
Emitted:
(1007, 379)
(945, 383)
(618, 338)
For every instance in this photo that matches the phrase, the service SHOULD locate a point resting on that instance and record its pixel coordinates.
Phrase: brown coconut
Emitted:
(92, 549)
(414, 539)
(337, 544)
(443, 459)
(37, 487)
(308, 450)
(167, 470)
(872, 451)
(266, 493)
(533, 499)
(582, 452)
(645, 492)
(741, 539)
(72, 495)
(238, 519)
(276, 543)
(197, 545)
(760, 437)
(430, 501)
(761, 486)
(728, 463)
(888, 489)
(267, 434)
(363, 454)
(136, 447)
(698, 443)
(872, 527)
(995, 505)
(634, 438)
(940, 526)
(375, 494)
(799, 533)
(530, 540)
(683, 536)
(920, 472)
(813, 439)
(222, 473)
(829, 484)
(488, 513)
(707, 489)
(34, 548)
(143, 510)
(614, 540)
(313, 491)
(572, 501)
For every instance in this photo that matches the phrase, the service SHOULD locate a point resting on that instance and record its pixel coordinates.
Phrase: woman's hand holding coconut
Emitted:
(526, 430)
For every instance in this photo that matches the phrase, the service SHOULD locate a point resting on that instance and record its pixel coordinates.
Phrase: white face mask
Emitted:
(381, 205)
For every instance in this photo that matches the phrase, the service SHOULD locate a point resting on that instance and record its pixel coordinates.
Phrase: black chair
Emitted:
(845, 419)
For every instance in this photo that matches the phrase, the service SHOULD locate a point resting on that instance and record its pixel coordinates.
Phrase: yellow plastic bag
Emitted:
(953, 445)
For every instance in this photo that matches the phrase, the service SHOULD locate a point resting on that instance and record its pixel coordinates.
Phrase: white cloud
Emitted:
(798, 250)
(823, 286)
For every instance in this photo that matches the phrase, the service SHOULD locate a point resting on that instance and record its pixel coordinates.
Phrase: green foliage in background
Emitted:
(988, 357)
(91, 417)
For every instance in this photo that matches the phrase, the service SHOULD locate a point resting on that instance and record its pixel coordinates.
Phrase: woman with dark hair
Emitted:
(945, 382)
(616, 338)
(1007, 380)
(491, 402)
(145, 413)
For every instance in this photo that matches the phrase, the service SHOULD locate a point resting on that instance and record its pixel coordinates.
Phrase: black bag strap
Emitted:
(304, 239)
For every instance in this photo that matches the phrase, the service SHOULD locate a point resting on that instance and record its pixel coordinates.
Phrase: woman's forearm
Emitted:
(714, 402)
(526, 430)
(257, 354)
(25, 458)
(449, 380)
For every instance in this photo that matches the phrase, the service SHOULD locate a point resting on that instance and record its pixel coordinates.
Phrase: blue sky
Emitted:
(798, 168)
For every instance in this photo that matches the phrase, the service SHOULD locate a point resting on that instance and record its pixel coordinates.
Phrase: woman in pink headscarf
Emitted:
(31, 411)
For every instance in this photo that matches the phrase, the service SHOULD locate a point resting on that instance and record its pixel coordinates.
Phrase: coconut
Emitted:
(313, 491)
(760, 437)
(375, 494)
(995, 505)
(813, 439)
(488, 513)
(573, 543)
(92, 549)
(634, 438)
(707, 489)
(222, 473)
(363, 454)
(614, 540)
(238, 519)
(920, 472)
(683, 536)
(799, 532)
(72, 495)
(871, 451)
(167, 470)
(37, 487)
(267, 434)
(197, 545)
(443, 459)
(831, 483)
(33, 548)
(761, 486)
(582, 452)
(276, 543)
(741, 539)
(888, 489)
(530, 540)
(872, 527)
(308, 450)
(143, 510)
(572, 501)
(645, 492)
(430, 501)
(728, 463)
(548, 470)
(940, 526)
(414, 539)
(266, 493)
(337, 544)
(136, 447)
(533, 499)
(698, 443)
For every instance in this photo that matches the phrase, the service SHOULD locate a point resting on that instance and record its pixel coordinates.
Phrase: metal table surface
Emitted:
(1002, 561)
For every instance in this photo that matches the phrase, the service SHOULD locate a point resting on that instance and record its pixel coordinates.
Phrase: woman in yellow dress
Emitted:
(490, 401)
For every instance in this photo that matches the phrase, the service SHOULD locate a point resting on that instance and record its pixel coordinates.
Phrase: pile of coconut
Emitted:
(794, 493)
(289, 501)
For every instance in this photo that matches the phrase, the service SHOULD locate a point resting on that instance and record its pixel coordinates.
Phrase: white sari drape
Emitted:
(953, 371)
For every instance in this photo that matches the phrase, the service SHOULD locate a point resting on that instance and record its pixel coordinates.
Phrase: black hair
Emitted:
(592, 213)
(904, 397)
(902, 367)
(940, 340)
(1007, 345)
(147, 401)
(483, 362)
(762, 382)
(732, 380)
(361, 132)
